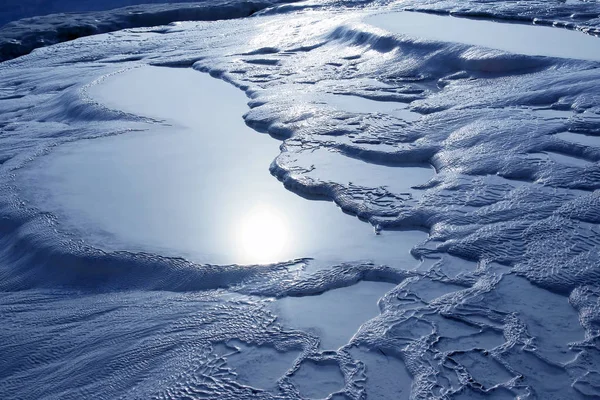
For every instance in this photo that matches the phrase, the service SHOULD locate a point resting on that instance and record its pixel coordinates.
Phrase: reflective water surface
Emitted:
(515, 38)
(197, 184)
(357, 104)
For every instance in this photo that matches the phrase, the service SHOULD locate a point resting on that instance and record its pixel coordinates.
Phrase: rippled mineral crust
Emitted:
(502, 300)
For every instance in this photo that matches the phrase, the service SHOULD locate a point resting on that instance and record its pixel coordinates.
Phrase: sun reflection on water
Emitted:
(263, 236)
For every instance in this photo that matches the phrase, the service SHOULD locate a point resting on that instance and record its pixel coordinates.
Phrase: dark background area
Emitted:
(11, 10)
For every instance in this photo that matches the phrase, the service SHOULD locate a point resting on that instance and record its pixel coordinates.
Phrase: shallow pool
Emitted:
(197, 183)
(526, 39)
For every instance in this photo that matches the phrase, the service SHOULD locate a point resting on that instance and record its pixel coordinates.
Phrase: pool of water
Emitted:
(362, 105)
(334, 316)
(579, 138)
(197, 184)
(512, 37)
(562, 159)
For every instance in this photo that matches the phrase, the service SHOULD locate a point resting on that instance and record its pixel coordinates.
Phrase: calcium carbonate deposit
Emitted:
(323, 199)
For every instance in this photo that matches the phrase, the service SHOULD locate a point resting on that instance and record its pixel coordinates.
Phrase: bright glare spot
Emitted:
(263, 236)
